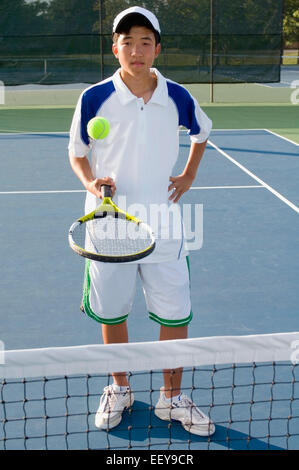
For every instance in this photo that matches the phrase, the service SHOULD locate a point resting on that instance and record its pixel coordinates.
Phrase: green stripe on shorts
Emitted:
(174, 323)
(86, 304)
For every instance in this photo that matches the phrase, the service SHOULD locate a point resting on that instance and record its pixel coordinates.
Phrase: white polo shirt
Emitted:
(140, 151)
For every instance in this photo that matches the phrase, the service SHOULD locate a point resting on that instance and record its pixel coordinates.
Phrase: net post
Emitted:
(211, 93)
(101, 39)
(211, 53)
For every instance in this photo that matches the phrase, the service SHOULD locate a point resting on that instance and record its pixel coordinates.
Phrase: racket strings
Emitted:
(110, 236)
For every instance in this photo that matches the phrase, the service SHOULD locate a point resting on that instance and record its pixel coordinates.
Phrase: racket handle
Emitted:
(106, 190)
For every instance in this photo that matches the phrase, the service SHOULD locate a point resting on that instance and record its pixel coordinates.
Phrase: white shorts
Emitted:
(109, 291)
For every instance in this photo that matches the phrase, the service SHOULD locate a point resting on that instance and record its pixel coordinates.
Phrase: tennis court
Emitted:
(243, 281)
(247, 184)
(241, 359)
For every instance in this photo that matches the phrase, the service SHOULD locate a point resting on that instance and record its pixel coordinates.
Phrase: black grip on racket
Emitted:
(106, 190)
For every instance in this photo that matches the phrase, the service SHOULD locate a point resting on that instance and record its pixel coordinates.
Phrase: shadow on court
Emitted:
(140, 428)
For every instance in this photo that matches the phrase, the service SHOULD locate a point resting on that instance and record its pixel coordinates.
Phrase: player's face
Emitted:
(136, 51)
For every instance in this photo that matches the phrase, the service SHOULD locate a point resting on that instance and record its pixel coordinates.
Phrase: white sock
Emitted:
(172, 399)
(120, 388)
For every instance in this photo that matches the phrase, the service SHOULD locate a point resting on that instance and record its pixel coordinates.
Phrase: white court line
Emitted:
(225, 130)
(281, 137)
(45, 192)
(264, 85)
(275, 85)
(15, 132)
(261, 185)
(84, 191)
(227, 187)
(256, 178)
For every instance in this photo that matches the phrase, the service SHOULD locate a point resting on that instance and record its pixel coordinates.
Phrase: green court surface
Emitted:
(235, 106)
(280, 118)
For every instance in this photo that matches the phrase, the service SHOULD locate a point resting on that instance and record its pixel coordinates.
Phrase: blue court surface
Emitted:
(244, 278)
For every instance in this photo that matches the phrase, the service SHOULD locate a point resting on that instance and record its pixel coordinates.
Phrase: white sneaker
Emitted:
(185, 411)
(112, 404)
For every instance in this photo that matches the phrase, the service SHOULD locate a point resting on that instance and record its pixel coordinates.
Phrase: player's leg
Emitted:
(172, 378)
(167, 294)
(166, 287)
(116, 334)
(108, 296)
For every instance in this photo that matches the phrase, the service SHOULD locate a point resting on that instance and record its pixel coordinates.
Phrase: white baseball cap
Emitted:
(141, 11)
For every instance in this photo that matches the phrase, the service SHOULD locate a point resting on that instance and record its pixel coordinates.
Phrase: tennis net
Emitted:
(247, 385)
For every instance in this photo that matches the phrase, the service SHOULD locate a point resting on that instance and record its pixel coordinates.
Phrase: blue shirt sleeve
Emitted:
(92, 100)
(185, 106)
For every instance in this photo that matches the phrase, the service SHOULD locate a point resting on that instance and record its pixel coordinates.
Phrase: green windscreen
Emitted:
(203, 41)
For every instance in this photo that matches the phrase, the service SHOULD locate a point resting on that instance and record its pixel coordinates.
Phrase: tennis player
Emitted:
(144, 110)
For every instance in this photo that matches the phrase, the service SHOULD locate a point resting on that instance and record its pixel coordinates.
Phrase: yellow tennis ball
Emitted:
(98, 128)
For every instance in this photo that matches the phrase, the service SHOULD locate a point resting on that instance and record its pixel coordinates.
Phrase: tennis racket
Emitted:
(111, 235)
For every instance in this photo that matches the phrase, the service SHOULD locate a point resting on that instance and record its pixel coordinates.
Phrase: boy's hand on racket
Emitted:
(108, 233)
(179, 185)
(94, 186)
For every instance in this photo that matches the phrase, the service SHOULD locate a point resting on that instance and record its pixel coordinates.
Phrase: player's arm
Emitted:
(82, 170)
(181, 183)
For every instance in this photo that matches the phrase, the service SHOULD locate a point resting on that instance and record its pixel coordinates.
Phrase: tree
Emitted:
(71, 16)
(22, 18)
(291, 22)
